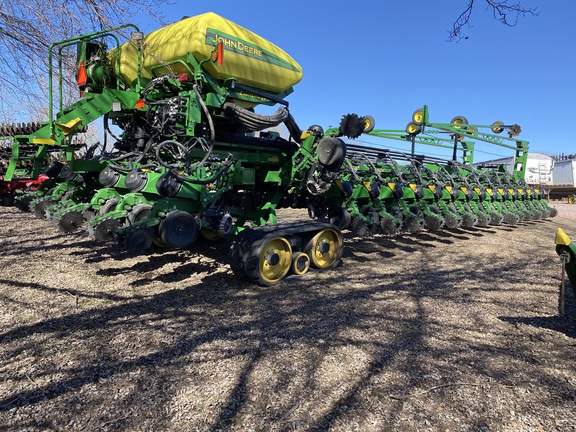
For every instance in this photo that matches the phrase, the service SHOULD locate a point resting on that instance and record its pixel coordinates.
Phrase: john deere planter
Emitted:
(185, 156)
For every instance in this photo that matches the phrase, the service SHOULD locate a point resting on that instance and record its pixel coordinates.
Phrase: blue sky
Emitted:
(387, 58)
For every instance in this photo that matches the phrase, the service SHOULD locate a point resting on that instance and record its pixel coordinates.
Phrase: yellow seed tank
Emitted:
(248, 58)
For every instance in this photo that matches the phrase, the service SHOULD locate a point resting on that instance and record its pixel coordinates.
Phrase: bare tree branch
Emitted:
(507, 14)
(28, 27)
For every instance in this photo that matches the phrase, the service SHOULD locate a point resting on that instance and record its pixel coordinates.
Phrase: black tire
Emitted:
(369, 124)
(413, 129)
(459, 120)
(418, 116)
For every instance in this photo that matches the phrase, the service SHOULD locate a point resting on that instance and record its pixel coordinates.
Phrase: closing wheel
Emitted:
(325, 249)
(434, 220)
(452, 219)
(511, 219)
(300, 263)
(41, 206)
(360, 227)
(418, 116)
(70, 221)
(274, 260)
(23, 203)
(482, 220)
(388, 225)
(138, 240)
(369, 124)
(553, 212)
(106, 230)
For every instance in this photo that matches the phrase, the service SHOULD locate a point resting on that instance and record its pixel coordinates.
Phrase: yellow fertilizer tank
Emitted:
(248, 58)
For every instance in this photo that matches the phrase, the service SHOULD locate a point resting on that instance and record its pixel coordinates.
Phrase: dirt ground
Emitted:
(452, 331)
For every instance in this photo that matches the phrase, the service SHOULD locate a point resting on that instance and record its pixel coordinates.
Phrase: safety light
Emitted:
(82, 78)
(140, 103)
(218, 54)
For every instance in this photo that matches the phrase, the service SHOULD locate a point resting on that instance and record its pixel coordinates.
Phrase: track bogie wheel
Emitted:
(325, 249)
(300, 263)
(274, 260)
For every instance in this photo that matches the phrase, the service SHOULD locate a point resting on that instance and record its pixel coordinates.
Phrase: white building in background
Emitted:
(539, 168)
(565, 173)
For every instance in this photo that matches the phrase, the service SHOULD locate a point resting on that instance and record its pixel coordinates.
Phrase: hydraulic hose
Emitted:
(206, 112)
(225, 167)
(252, 120)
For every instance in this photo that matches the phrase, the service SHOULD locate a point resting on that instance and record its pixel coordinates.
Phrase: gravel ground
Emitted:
(449, 331)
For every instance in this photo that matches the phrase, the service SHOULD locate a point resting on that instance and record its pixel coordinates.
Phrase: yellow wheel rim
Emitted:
(275, 260)
(418, 117)
(571, 200)
(497, 127)
(300, 263)
(324, 249)
(412, 128)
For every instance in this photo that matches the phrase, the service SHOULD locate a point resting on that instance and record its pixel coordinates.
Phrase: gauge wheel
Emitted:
(418, 116)
(498, 127)
(369, 124)
(413, 129)
(459, 121)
